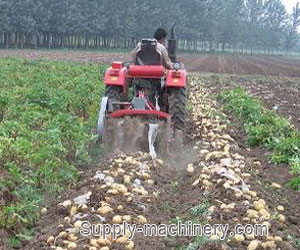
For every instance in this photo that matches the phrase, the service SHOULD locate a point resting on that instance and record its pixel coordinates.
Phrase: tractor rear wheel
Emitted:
(114, 95)
(177, 107)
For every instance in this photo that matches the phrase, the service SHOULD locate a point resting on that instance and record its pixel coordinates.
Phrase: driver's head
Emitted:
(160, 35)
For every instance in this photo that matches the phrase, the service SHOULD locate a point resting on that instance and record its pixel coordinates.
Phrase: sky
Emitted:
(290, 4)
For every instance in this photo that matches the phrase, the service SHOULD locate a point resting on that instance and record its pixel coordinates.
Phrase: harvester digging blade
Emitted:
(152, 134)
(132, 134)
(102, 114)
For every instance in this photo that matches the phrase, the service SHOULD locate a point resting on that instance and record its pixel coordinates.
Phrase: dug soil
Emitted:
(214, 179)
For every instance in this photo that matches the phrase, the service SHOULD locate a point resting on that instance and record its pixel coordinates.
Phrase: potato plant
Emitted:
(47, 113)
(265, 127)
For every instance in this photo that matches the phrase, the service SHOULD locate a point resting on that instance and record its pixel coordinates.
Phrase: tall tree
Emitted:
(5, 21)
(22, 20)
(230, 22)
(292, 28)
(251, 24)
(252, 16)
(214, 9)
(273, 23)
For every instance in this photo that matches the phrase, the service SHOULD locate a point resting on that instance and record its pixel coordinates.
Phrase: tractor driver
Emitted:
(160, 36)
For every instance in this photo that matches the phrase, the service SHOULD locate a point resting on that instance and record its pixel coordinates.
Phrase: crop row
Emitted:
(265, 127)
(47, 113)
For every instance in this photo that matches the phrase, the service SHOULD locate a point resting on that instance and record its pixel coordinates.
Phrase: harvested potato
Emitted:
(252, 194)
(275, 185)
(44, 210)
(72, 246)
(160, 162)
(277, 239)
(122, 240)
(190, 169)
(72, 237)
(196, 182)
(258, 205)
(112, 191)
(127, 218)
(239, 237)
(150, 182)
(78, 224)
(67, 219)
(73, 211)
(281, 218)
(145, 176)
(142, 220)
(83, 208)
(127, 179)
(120, 208)
(129, 245)
(50, 240)
(67, 203)
(104, 210)
(121, 189)
(117, 219)
(104, 248)
(254, 244)
(63, 235)
(103, 242)
(94, 243)
(280, 208)
(252, 214)
(268, 245)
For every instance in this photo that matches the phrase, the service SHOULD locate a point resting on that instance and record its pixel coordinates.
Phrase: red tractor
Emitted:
(143, 101)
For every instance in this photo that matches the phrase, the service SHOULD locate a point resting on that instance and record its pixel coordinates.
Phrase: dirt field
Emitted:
(170, 192)
(281, 94)
(230, 64)
(175, 194)
(242, 65)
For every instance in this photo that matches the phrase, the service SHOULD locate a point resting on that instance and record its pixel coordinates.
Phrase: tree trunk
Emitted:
(62, 41)
(210, 46)
(49, 38)
(16, 39)
(21, 41)
(86, 42)
(35, 37)
(7, 42)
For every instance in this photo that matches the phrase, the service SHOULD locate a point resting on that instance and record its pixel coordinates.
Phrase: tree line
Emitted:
(203, 25)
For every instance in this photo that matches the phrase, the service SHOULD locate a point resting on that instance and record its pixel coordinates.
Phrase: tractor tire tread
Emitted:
(113, 93)
(177, 107)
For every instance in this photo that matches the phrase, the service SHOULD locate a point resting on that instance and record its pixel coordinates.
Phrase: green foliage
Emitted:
(200, 242)
(295, 164)
(198, 215)
(295, 241)
(295, 183)
(201, 209)
(48, 112)
(264, 127)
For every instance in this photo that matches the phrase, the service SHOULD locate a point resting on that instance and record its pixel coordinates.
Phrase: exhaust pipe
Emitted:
(172, 45)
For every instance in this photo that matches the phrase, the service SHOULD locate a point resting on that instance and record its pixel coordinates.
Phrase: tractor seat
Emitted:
(148, 54)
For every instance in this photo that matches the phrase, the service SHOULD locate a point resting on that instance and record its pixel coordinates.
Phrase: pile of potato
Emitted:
(219, 168)
(125, 181)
